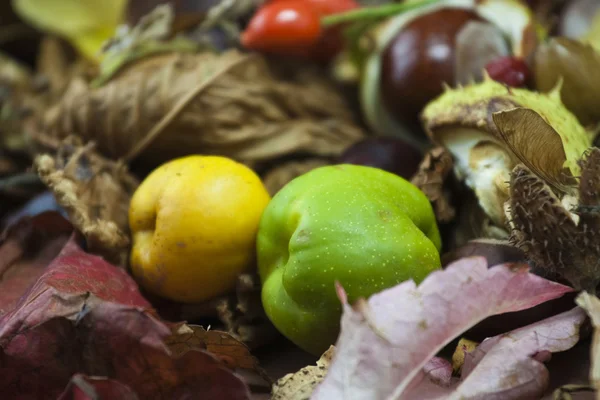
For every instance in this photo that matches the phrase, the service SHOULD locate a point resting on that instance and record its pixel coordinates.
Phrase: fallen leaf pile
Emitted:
(81, 318)
(509, 172)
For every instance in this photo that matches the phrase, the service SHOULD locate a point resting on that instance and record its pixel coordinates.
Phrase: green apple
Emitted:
(364, 227)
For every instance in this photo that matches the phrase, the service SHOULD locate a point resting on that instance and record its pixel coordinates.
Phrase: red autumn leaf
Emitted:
(84, 315)
(26, 248)
(84, 387)
(386, 342)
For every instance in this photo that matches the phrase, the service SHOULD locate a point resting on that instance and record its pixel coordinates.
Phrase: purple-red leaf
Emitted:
(84, 315)
(386, 342)
(84, 387)
(508, 366)
(26, 249)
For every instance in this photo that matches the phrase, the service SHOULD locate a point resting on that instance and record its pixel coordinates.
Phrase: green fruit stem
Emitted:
(365, 13)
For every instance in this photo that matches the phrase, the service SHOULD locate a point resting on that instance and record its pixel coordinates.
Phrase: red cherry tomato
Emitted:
(331, 41)
(284, 27)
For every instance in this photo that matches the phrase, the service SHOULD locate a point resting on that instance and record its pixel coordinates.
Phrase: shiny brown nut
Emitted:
(419, 59)
(390, 154)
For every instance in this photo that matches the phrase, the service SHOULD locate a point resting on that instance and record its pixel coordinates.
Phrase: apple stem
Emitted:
(383, 11)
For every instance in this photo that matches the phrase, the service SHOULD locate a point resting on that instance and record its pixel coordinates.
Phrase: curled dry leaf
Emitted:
(243, 314)
(554, 239)
(508, 367)
(95, 192)
(231, 104)
(280, 175)
(396, 332)
(591, 304)
(300, 385)
(222, 345)
(489, 128)
(84, 315)
(432, 177)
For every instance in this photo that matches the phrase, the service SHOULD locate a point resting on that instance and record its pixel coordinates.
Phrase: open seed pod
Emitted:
(576, 64)
(489, 128)
(169, 105)
(415, 53)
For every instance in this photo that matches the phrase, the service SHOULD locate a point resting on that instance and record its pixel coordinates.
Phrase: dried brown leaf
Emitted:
(300, 385)
(95, 193)
(222, 345)
(279, 176)
(431, 178)
(231, 104)
(536, 144)
(243, 314)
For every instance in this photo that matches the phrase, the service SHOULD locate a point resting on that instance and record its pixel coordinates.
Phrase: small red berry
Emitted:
(509, 70)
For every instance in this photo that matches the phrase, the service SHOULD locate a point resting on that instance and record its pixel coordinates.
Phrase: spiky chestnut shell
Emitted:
(489, 128)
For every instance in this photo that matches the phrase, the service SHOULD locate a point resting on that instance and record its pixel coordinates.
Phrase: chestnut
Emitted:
(419, 59)
(387, 153)
(414, 55)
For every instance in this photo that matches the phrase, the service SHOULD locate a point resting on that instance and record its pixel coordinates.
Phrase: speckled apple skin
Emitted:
(361, 226)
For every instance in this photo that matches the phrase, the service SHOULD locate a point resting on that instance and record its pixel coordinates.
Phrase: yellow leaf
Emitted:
(86, 24)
